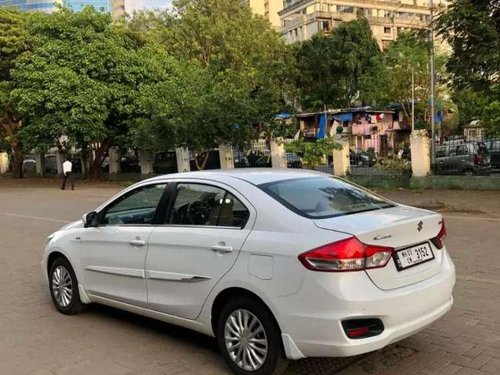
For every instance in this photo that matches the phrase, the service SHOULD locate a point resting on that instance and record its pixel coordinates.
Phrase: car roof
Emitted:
(254, 176)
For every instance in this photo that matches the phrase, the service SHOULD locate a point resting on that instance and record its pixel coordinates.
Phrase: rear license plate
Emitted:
(413, 256)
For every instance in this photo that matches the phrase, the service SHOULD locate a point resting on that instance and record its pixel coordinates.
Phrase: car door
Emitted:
(205, 228)
(113, 253)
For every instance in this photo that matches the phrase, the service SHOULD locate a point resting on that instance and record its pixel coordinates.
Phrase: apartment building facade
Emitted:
(301, 19)
(117, 9)
(49, 6)
(269, 9)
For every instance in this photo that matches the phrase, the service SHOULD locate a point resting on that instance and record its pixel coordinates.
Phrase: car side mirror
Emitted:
(90, 219)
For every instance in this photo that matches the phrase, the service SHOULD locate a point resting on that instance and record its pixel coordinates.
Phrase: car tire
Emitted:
(469, 172)
(263, 351)
(63, 287)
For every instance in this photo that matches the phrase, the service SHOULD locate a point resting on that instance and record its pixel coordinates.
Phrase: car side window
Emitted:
(137, 207)
(462, 150)
(441, 153)
(199, 204)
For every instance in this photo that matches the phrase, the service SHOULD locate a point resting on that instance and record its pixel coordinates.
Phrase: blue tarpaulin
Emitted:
(343, 116)
(282, 116)
(438, 117)
(322, 127)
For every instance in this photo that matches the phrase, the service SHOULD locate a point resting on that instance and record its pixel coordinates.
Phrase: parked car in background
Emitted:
(165, 162)
(276, 264)
(265, 161)
(462, 157)
(361, 158)
(51, 164)
(29, 165)
(293, 160)
(130, 164)
(493, 146)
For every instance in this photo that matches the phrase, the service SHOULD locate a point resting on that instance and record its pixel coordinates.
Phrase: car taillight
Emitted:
(346, 255)
(439, 240)
(477, 159)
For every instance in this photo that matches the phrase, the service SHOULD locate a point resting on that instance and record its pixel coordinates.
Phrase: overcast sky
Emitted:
(131, 5)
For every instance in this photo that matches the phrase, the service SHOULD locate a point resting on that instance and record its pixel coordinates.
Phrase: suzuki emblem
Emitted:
(420, 225)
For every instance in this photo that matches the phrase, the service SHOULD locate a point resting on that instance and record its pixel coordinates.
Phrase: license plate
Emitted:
(413, 256)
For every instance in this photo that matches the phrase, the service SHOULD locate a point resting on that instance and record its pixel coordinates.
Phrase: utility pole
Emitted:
(412, 99)
(433, 88)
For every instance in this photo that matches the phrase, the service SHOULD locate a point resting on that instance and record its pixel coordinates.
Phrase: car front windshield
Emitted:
(323, 197)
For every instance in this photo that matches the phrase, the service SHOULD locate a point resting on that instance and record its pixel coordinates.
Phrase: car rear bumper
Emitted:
(311, 320)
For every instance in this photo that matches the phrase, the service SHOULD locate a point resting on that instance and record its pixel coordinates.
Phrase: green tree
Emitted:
(472, 29)
(234, 74)
(312, 153)
(410, 52)
(82, 80)
(341, 69)
(13, 42)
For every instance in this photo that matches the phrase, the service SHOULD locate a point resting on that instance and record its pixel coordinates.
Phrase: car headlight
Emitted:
(49, 238)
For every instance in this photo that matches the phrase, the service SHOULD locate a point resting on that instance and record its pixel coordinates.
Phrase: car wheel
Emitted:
(64, 287)
(469, 172)
(250, 338)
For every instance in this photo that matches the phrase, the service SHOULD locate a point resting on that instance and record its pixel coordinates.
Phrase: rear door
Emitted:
(400, 228)
(203, 232)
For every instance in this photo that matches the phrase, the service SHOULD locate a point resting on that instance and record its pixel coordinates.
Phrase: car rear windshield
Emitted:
(323, 197)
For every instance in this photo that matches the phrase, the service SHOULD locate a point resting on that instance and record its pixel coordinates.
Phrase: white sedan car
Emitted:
(275, 264)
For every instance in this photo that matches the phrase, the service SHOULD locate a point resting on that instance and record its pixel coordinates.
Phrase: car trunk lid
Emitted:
(398, 227)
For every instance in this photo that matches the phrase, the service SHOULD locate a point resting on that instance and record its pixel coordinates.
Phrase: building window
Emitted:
(324, 26)
(387, 30)
(345, 9)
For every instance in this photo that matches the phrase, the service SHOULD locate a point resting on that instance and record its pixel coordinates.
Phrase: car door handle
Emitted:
(222, 249)
(137, 243)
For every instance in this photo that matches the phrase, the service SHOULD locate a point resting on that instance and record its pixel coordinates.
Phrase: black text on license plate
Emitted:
(413, 256)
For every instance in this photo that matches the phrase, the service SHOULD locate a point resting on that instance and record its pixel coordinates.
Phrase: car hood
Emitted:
(73, 225)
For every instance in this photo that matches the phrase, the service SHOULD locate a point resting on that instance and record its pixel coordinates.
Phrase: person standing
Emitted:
(67, 177)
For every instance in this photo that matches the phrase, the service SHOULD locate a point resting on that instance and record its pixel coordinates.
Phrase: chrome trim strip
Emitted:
(171, 276)
(129, 272)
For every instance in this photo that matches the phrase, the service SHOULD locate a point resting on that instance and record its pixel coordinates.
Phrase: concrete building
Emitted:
(31, 5)
(50, 5)
(269, 9)
(301, 19)
(117, 9)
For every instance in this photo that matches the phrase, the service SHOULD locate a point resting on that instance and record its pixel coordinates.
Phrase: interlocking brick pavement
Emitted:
(36, 340)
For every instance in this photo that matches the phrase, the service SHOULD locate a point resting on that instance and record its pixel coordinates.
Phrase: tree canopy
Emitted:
(472, 29)
(410, 52)
(341, 68)
(83, 79)
(13, 42)
(235, 72)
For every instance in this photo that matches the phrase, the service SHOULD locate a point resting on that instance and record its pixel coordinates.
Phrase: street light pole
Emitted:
(412, 99)
(433, 88)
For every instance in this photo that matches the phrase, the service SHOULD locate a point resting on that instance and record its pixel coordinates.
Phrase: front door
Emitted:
(114, 252)
(204, 230)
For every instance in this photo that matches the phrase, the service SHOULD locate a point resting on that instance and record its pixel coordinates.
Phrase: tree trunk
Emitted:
(85, 161)
(100, 155)
(18, 157)
(203, 164)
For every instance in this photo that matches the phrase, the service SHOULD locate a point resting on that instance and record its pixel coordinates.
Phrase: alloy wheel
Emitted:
(246, 340)
(62, 286)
